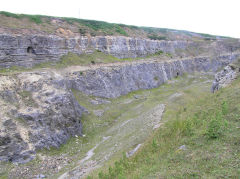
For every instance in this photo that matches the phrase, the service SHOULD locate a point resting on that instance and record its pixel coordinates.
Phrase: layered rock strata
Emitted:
(30, 50)
(114, 81)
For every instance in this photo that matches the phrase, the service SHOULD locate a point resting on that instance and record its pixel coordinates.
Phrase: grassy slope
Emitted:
(208, 125)
(92, 27)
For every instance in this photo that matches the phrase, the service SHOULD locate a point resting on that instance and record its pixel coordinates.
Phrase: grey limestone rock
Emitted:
(45, 115)
(23, 50)
(225, 77)
(112, 82)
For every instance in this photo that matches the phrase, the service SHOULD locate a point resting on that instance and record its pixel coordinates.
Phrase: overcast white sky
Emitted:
(219, 17)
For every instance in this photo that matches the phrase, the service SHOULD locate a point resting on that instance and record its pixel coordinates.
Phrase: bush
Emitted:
(35, 18)
(120, 30)
(216, 126)
(214, 129)
(224, 108)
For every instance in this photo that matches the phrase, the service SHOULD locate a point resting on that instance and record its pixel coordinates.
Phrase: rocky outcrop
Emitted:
(225, 77)
(29, 50)
(114, 81)
(37, 111)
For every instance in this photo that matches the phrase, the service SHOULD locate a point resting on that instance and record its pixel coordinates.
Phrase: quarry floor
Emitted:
(114, 128)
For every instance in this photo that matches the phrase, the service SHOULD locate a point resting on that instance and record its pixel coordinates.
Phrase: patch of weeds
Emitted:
(169, 55)
(160, 52)
(224, 108)
(118, 171)
(12, 69)
(216, 126)
(120, 30)
(35, 18)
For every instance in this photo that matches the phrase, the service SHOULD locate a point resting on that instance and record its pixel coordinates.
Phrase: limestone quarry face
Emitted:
(38, 108)
(28, 50)
(37, 111)
(114, 81)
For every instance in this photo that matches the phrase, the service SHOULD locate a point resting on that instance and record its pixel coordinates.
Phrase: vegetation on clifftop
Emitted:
(93, 27)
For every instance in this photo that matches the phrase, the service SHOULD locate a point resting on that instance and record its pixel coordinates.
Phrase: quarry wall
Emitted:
(114, 81)
(38, 109)
(29, 50)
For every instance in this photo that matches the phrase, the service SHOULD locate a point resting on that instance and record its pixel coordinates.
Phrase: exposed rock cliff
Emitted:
(37, 111)
(30, 50)
(114, 81)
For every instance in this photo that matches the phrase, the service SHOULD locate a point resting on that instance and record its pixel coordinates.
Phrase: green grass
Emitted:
(34, 18)
(85, 59)
(208, 125)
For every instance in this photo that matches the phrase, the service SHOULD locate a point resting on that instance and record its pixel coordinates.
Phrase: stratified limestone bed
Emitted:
(114, 81)
(29, 50)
